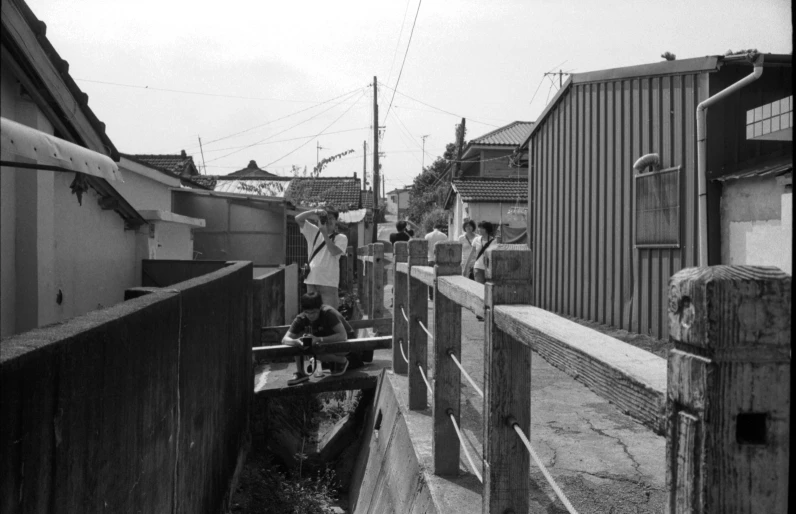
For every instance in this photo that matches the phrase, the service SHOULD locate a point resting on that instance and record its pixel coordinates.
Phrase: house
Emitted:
(398, 201)
(607, 237)
(492, 183)
(70, 240)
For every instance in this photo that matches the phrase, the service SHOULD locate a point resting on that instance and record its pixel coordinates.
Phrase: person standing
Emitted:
(480, 246)
(467, 239)
(401, 235)
(325, 246)
(434, 237)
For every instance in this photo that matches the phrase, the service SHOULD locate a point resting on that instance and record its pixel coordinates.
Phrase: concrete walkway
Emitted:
(603, 460)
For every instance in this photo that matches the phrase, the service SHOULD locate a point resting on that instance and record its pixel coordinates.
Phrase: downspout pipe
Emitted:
(702, 155)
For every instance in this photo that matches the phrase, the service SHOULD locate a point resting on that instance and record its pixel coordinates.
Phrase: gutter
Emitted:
(701, 121)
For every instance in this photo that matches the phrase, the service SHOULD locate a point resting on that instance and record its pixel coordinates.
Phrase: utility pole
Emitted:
(318, 149)
(423, 165)
(460, 144)
(364, 165)
(375, 155)
(560, 77)
(203, 155)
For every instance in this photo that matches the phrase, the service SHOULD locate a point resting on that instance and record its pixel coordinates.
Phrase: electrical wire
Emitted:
(398, 43)
(319, 133)
(285, 140)
(401, 71)
(289, 128)
(437, 108)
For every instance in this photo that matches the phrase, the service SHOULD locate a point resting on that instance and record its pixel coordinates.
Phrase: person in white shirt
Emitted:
(433, 238)
(480, 246)
(325, 246)
(467, 240)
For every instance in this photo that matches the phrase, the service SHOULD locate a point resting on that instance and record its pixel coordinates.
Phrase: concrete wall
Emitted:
(50, 243)
(141, 407)
(268, 302)
(173, 240)
(144, 188)
(757, 223)
(163, 273)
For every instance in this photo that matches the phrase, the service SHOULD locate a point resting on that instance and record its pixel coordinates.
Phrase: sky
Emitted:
(272, 81)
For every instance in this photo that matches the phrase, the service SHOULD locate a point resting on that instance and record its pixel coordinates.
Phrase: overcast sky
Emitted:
(256, 64)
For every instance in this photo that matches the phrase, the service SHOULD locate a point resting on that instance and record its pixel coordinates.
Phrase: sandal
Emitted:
(298, 378)
(342, 371)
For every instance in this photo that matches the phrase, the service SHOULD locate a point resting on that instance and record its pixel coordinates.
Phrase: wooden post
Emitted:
(400, 299)
(361, 277)
(349, 269)
(728, 392)
(369, 283)
(507, 384)
(447, 377)
(377, 282)
(417, 312)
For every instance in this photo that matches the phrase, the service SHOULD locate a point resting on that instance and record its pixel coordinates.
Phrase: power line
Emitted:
(439, 109)
(398, 43)
(285, 140)
(285, 130)
(319, 133)
(404, 61)
(193, 92)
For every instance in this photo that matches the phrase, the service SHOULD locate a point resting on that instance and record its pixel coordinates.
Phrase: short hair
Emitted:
(331, 211)
(440, 225)
(311, 301)
(470, 223)
(486, 225)
(401, 226)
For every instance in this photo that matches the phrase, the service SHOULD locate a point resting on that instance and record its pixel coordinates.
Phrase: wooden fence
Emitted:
(726, 395)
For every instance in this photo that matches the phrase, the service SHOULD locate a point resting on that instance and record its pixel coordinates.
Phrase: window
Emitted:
(658, 209)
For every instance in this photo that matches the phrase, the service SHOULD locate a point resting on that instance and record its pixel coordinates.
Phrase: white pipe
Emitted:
(702, 158)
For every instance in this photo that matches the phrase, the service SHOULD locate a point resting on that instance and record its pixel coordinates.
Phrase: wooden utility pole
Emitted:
(364, 165)
(460, 144)
(375, 155)
(203, 155)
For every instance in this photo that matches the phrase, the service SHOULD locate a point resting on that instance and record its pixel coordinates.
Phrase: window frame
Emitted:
(678, 171)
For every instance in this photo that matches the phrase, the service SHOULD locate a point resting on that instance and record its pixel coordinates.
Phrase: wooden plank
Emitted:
(377, 282)
(687, 465)
(463, 291)
(400, 301)
(402, 267)
(447, 377)
(507, 375)
(362, 344)
(730, 369)
(424, 274)
(417, 313)
(272, 383)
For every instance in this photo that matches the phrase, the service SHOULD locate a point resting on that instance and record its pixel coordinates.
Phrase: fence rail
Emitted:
(710, 370)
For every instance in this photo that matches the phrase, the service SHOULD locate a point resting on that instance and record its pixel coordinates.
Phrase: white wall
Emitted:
(145, 189)
(173, 240)
(757, 223)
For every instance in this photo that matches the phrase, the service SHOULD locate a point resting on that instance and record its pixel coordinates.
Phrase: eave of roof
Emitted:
(61, 66)
(677, 67)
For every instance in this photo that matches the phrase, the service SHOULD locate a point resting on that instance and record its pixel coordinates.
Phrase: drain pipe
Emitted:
(702, 157)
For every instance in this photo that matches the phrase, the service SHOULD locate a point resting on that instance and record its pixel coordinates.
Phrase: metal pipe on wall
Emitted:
(702, 158)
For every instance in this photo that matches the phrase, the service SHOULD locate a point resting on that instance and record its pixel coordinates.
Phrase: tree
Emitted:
(430, 187)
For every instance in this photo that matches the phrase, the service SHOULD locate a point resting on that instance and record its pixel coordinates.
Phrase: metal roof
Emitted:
(777, 168)
(491, 190)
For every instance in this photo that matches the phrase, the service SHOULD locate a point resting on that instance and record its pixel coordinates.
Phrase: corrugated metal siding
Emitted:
(582, 201)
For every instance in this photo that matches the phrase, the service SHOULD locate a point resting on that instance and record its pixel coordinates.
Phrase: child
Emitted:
(324, 325)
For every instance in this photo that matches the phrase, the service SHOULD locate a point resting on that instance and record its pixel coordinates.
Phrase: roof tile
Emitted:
(492, 190)
(342, 193)
(512, 134)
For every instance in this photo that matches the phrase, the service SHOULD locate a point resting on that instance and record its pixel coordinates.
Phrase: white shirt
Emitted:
(477, 245)
(467, 247)
(433, 238)
(325, 267)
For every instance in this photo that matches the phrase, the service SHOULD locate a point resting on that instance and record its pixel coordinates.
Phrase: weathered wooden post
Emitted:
(400, 300)
(349, 269)
(377, 282)
(728, 394)
(361, 251)
(417, 313)
(447, 377)
(507, 384)
(369, 282)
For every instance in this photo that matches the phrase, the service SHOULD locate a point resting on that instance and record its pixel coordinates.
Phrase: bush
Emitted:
(434, 217)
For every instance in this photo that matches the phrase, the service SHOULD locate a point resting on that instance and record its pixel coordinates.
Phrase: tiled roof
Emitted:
(251, 171)
(511, 135)
(342, 193)
(491, 190)
(179, 164)
(208, 181)
(272, 188)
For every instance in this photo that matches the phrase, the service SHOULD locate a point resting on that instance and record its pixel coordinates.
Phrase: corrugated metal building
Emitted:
(583, 193)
